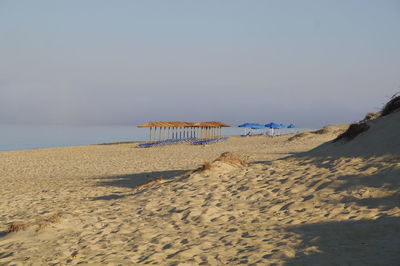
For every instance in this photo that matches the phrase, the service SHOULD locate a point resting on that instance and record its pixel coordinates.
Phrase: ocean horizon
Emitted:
(28, 137)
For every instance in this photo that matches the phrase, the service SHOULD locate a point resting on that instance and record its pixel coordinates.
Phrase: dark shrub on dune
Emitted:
(392, 105)
(299, 136)
(324, 130)
(371, 116)
(353, 131)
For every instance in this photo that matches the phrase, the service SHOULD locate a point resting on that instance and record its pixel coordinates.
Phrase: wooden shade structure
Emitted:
(184, 130)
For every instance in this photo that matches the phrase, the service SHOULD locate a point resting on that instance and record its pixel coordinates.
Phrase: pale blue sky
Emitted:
(126, 62)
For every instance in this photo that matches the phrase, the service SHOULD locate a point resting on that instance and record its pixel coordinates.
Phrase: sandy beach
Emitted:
(298, 201)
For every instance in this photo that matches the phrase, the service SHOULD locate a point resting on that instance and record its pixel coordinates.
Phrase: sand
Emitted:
(287, 206)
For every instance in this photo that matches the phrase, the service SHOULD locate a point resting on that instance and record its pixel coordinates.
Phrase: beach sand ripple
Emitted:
(305, 209)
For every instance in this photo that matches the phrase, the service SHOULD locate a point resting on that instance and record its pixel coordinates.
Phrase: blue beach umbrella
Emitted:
(257, 126)
(246, 125)
(291, 126)
(252, 126)
(273, 126)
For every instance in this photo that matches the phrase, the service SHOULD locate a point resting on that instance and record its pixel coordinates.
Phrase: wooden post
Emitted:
(169, 131)
(150, 133)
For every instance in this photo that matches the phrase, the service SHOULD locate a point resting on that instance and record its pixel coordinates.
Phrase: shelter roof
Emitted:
(184, 124)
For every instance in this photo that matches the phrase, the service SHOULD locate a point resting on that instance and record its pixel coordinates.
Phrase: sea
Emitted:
(27, 137)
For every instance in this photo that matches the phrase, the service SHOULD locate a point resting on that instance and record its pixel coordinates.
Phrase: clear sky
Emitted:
(125, 62)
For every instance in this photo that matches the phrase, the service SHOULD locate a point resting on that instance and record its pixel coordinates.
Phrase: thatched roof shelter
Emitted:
(184, 124)
(179, 129)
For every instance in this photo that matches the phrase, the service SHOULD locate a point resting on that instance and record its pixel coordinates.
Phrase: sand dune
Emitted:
(381, 139)
(285, 206)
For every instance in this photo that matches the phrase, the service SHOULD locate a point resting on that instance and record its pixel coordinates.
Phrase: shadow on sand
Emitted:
(355, 242)
(362, 242)
(133, 180)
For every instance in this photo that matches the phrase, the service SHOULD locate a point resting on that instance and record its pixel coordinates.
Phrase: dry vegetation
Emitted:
(371, 116)
(226, 157)
(40, 224)
(357, 128)
(323, 131)
(353, 131)
(15, 227)
(205, 166)
(299, 136)
(392, 106)
(150, 183)
(230, 158)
